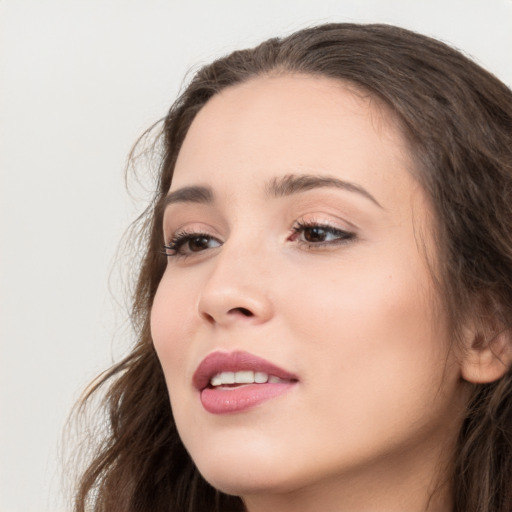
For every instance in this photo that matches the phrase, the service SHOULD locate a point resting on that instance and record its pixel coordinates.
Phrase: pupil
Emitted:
(198, 243)
(315, 234)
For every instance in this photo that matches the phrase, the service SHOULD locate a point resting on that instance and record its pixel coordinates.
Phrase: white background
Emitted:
(79, 81)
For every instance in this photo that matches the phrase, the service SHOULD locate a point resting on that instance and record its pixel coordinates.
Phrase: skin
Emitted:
(372, 422)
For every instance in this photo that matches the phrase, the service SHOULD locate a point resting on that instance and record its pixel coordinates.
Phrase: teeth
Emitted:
(246, 377)
(243, 377)
(227, 377)
(216, 380)
(260, 377)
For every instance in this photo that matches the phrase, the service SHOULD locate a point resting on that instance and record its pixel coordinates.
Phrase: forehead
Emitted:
(275, 125)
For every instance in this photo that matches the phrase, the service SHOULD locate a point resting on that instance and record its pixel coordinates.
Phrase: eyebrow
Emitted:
(192, 194)
(277, 187)
(295, 183)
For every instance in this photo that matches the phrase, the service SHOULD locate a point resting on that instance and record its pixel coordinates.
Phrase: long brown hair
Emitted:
(458, 120)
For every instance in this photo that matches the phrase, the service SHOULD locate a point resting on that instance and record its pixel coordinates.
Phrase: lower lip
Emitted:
(237, 399)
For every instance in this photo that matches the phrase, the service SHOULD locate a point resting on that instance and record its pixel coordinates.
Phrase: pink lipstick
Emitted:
(235, 381)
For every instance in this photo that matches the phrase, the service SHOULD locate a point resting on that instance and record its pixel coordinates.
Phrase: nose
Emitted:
(236, 290)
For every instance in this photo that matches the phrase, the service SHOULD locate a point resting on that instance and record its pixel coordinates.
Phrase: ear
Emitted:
(487, 356)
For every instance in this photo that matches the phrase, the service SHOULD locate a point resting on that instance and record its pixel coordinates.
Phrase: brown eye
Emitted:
(320, 235)
(198, 243)
(315, 234)
(185, 244)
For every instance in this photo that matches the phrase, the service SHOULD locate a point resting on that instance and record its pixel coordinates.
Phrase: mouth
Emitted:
(235, 381)
(232, 379)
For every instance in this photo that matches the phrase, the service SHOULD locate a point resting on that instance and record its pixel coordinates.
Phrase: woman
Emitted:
(325, 303)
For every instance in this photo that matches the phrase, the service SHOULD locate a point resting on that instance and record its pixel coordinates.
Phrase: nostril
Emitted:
(209, 318)
(244, 311)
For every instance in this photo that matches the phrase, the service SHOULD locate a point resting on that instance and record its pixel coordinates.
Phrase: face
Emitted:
(296, 239)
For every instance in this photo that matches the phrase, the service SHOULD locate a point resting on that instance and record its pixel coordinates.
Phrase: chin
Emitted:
(246, 485)
(229, 479)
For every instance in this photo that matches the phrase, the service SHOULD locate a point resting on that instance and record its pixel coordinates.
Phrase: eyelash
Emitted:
(174, 248)
(341, 236)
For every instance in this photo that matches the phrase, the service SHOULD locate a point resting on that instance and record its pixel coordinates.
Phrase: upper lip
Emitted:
(218, 362)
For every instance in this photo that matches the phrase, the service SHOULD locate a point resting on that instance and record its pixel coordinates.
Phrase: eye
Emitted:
(187, 243)
(318, 234)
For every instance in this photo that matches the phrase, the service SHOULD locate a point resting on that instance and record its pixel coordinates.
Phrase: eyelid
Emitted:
(188, 227)
(176, 236)
(342, 235)
(181, 239)
(326, 220)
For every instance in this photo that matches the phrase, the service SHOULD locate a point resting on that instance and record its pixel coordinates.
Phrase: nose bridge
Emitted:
(236, 289)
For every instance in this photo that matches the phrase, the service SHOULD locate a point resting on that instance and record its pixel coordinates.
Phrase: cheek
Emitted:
(371, 335)
(171, 324)
(361, 302)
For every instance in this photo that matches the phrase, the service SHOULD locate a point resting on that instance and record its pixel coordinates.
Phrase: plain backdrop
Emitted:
(79, 81)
